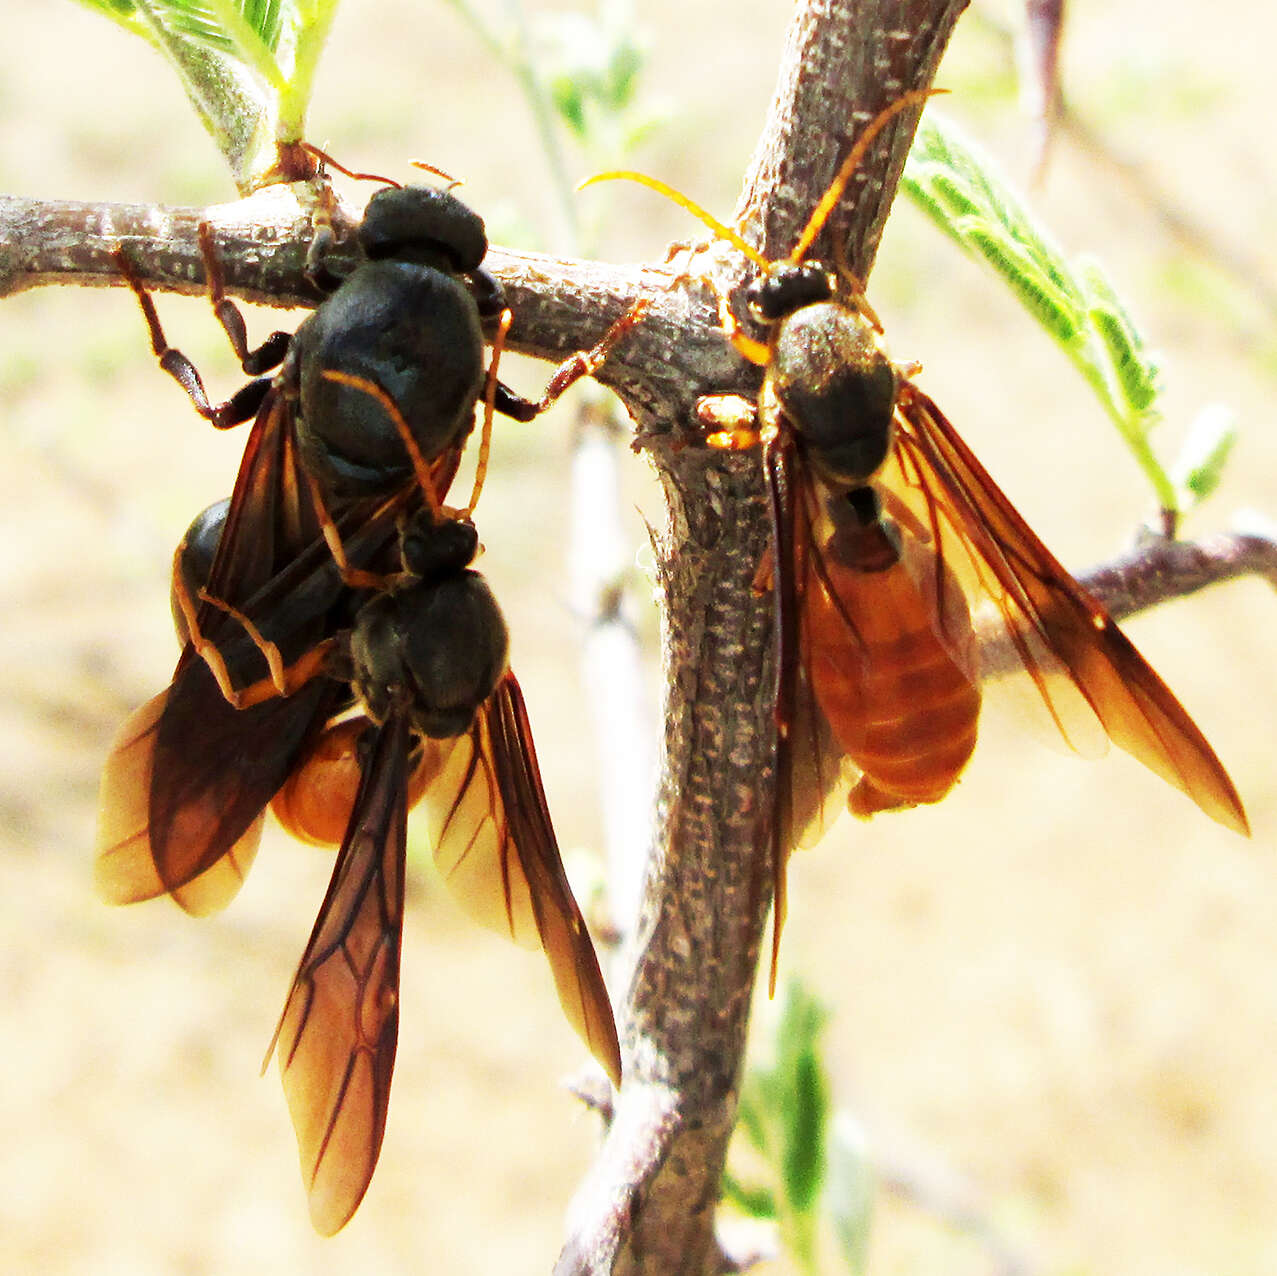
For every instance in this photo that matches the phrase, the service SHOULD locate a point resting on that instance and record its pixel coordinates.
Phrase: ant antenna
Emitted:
(489, 409)
(325, 159)
(453, 182)
(733, 237)
(820, 214)
(829, 200)
(419, 464)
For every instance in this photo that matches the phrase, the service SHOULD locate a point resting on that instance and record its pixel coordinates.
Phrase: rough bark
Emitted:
(647, 1205)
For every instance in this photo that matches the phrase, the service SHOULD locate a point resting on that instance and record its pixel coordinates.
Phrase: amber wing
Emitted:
(340, 1026)
(495, 846)
(813, 773)
(1085, 670)
(189, 775)
(125, 869)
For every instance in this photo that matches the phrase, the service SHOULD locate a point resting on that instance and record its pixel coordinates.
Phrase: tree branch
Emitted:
(648, 1203)
(1156, 570)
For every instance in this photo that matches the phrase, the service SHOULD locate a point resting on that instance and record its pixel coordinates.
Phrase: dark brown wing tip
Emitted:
(1137, 710)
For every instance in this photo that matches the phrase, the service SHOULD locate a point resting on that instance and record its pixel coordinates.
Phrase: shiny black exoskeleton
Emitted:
(434, 647)
(325, 462)
(408, 318)
(194, 559)
(828, 373)
(405, 320)
(330, 617)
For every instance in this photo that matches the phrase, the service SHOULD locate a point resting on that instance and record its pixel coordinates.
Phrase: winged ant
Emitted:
(321, 489)
(893, 554)
(316, 607)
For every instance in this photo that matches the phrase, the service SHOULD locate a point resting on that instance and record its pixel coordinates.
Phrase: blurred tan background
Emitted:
(1059, 989)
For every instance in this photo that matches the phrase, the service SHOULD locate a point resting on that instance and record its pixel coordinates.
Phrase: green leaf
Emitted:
(1135, 379)
(1200, 464)
(1053, 309)
(247, 66)
(803, 1095)
(950, 197)
(784, 1111)
(752, 1111)
(1078, 306)
(208, 22)
(756, 1202)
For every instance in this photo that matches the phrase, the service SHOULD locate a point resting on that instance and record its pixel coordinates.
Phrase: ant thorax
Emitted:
(832, 379)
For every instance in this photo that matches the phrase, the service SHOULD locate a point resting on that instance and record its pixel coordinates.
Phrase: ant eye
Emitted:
(785, 290)
(768, 298)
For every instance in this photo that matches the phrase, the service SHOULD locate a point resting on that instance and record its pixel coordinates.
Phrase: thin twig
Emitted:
(1157, 570)
(1247, 271)
(1154, 571)
(648, 1204)
(621, 708)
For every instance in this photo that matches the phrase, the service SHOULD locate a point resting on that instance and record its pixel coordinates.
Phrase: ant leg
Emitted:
(283, 679)
(759, 352)
(241, 406)
(732, 420)
(421, 467)
(270, 354)
(855, 285)
(351, 577)
(323, 236)
(584, 363)
(327, 161)
(490, 388)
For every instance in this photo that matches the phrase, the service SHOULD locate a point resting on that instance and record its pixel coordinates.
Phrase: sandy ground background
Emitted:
(1056, 990)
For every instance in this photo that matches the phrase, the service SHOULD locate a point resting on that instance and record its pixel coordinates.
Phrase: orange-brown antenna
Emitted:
(325, 158)
(820, 214)
(453, 182)
(733, 237)
(829, 200)
(419, 464)
(489, 407)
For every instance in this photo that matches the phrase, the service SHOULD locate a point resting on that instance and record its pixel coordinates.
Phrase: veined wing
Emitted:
(1085, 670)
(340, 1026)
(495, 846)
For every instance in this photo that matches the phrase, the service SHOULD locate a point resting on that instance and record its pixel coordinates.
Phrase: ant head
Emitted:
(785, 288)
(416, 222)
(433, 547)
(422, 221)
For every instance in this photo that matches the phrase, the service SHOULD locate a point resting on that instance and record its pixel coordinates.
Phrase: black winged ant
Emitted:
(425, 708)
(323, 466)
(336, 514)
(892, 552)
(428, 661)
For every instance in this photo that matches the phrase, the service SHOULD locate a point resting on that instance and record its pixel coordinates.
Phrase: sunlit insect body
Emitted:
(900, 702)
(426, 707)
(343, 660)
(427, 660)
(901, 697)
(315, 803)
(836, 419)
(325, 471)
